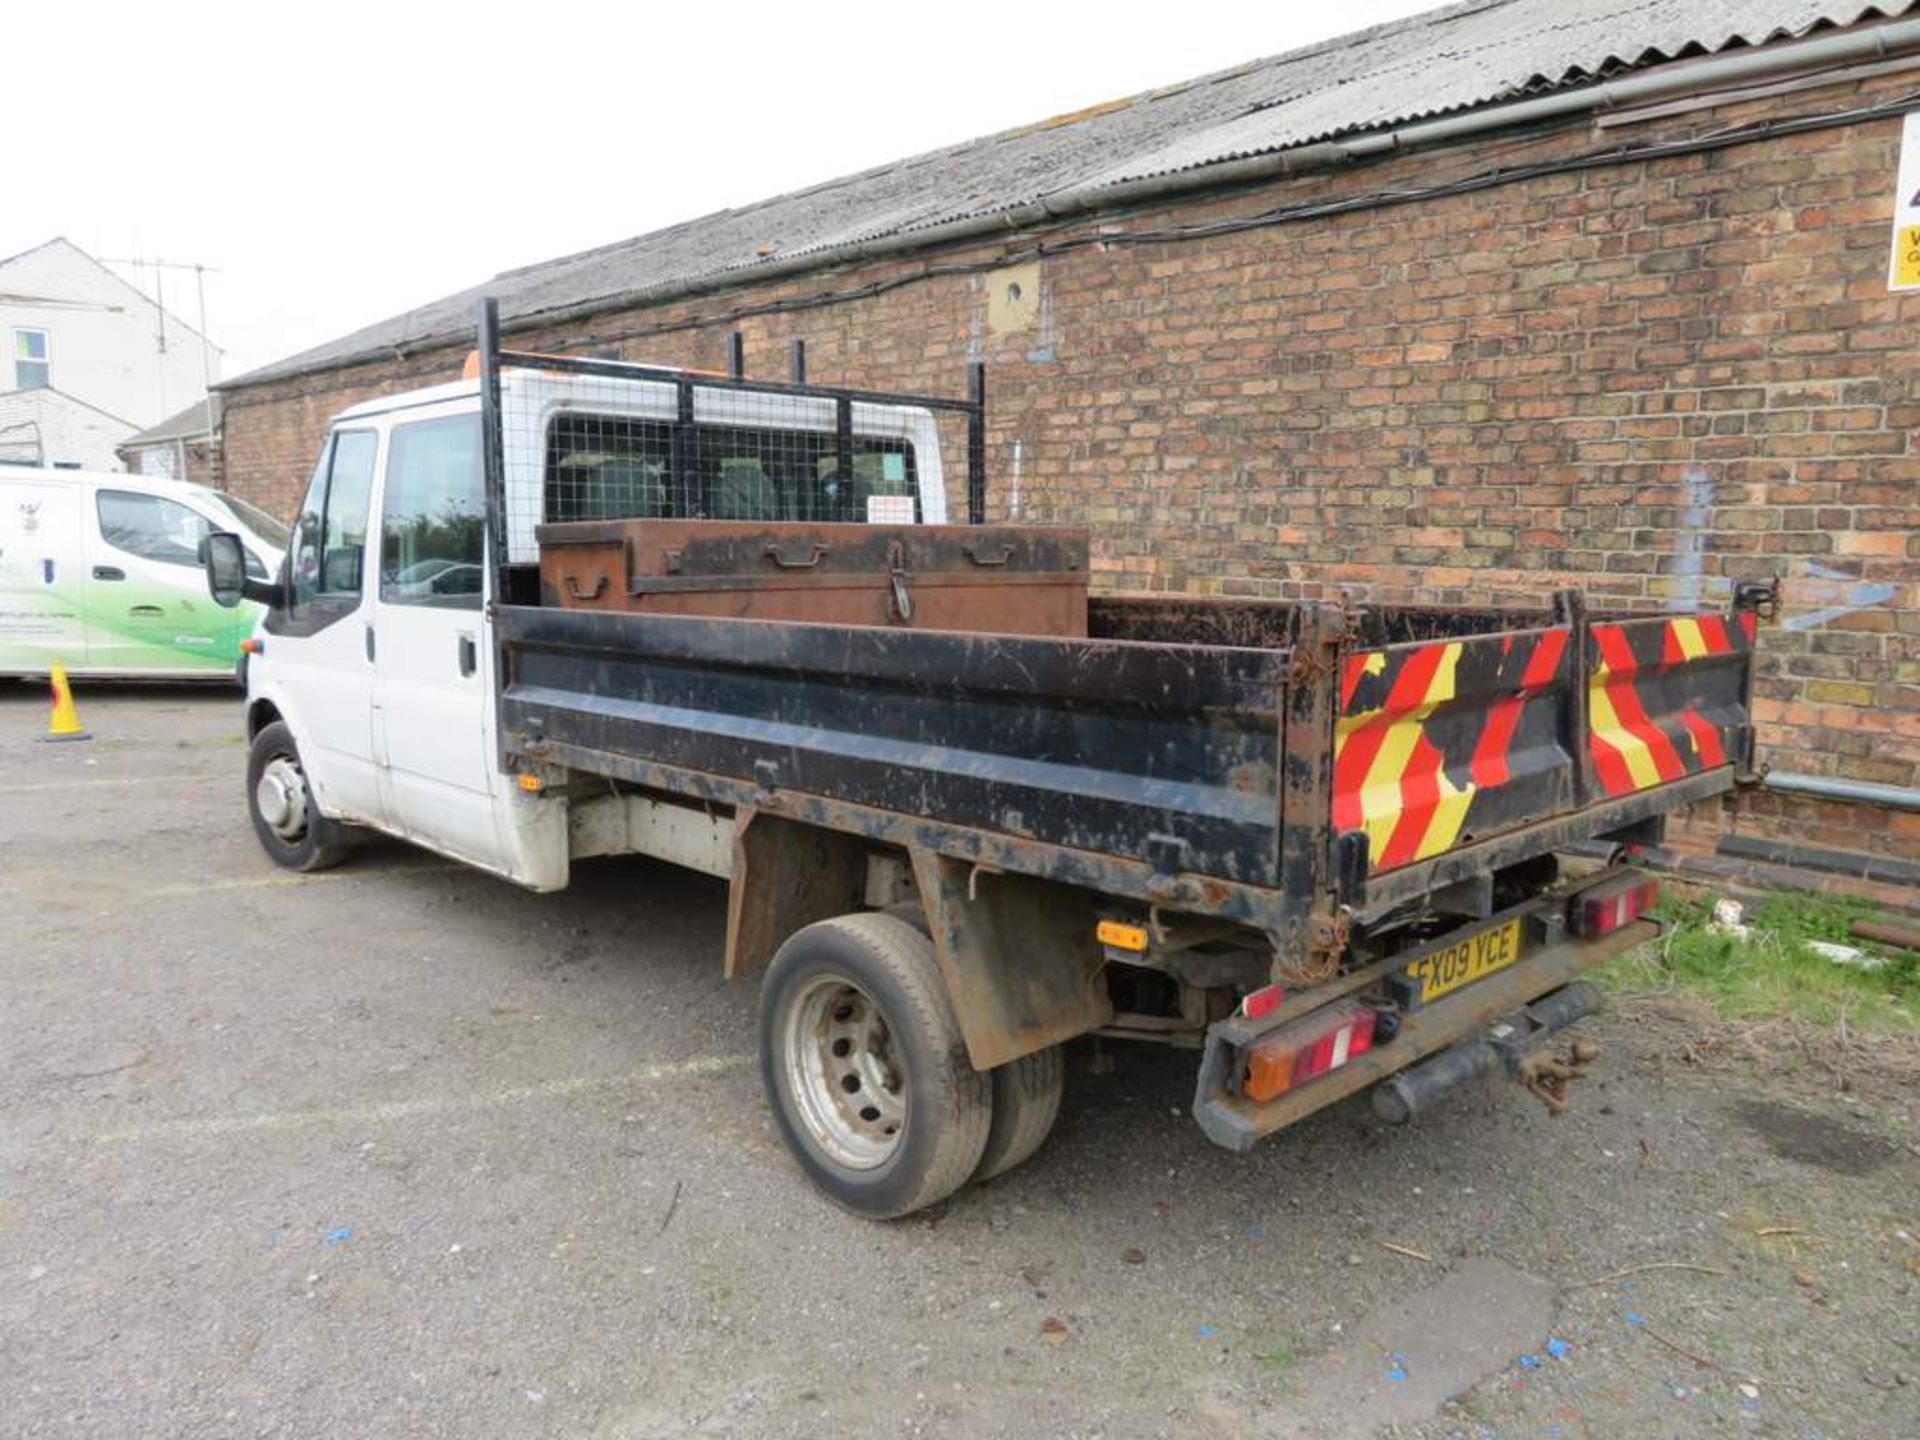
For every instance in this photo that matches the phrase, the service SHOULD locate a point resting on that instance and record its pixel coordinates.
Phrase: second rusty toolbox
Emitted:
(1006, 579)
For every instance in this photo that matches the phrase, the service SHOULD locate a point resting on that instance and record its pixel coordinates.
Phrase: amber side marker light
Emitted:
(532, 784)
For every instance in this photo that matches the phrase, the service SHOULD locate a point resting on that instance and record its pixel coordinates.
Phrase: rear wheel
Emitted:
(1026, 1102)
(1026, 1092)
(290, 826)
(866, 1068)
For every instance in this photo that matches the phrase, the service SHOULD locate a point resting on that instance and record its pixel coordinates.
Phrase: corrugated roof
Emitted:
(189, 424)
(1480, 52)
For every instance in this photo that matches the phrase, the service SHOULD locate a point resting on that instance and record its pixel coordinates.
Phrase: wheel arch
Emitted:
(1018, 955)
(260, 714)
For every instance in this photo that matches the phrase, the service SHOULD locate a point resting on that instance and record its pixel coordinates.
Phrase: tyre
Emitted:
(866, 1068)
(1026, 1102)
(290, 826)
(1026, 1092)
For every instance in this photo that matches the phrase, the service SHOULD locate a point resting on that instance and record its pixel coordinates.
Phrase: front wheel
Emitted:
(290, 826)
(868, 1074)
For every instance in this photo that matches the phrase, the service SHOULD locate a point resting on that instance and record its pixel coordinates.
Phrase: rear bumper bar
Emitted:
(1235, 1122)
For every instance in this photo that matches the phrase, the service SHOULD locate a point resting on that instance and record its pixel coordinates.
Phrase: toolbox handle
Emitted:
(790, 560)
(977, 552)
(599, 588)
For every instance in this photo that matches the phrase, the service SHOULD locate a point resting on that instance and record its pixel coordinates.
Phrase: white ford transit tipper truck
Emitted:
(967, 811)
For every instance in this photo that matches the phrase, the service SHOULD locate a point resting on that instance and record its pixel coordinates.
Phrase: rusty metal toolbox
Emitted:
(998, 579)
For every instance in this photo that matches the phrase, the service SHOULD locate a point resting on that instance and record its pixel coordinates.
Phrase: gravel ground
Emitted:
(403, 1150)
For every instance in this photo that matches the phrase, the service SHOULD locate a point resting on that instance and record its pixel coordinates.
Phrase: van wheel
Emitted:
(869, 1077)
(290, 826)
(1026, 1092)
(1026, 1102)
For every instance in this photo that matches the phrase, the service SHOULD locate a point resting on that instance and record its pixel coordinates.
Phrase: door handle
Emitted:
(147, 612)
(108, 572)
(469, 655)
(369, 644)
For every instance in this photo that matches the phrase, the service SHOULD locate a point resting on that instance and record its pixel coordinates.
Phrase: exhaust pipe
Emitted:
(1420, 1087)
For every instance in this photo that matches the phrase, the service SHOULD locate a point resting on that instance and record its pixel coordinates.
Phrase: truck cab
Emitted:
(374, 657)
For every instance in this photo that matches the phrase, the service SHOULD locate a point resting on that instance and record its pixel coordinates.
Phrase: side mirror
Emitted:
(226, 561)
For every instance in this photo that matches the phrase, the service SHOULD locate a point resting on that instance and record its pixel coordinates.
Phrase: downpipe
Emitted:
(1419, 1088)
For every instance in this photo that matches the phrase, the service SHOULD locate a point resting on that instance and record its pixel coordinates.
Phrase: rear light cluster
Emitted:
(1610, 906)
(1307, 1049)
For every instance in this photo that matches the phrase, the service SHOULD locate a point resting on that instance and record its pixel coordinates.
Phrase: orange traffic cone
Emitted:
(64, 722)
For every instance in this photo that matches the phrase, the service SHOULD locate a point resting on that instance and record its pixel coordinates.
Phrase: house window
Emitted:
(32, 360)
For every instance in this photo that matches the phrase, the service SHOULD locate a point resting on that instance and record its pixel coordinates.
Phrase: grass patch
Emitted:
(1771, 973)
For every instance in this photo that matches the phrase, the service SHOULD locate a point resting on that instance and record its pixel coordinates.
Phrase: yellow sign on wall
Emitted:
(1906, 257)
(1903, 267)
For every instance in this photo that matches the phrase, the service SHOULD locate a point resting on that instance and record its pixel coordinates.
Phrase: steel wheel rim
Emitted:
(844, 1074)
(281, 797)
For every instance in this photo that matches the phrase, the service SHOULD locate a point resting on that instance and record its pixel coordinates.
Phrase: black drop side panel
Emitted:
(1138, 751)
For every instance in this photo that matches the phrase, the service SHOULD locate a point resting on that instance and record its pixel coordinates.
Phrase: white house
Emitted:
(88, 360)
(50, 427)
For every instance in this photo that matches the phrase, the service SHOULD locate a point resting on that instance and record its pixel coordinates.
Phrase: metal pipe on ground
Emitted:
(1902, 937)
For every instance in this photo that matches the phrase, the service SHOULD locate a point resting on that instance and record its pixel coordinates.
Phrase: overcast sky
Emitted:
(338, 162)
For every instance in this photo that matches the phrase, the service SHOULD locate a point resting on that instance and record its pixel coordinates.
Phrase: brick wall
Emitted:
(1652, 378)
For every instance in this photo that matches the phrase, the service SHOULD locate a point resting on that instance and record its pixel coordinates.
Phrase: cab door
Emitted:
(148, 612)
(42, 576)
(433, 718)
(317, 659)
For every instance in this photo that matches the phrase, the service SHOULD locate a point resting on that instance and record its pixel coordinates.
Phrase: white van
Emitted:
(101, 573)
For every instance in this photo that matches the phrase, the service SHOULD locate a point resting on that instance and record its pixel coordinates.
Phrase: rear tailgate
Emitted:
(1448, 745)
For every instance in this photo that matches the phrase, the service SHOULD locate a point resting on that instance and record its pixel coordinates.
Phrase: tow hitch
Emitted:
(1547, 1076)
(1507, 1046)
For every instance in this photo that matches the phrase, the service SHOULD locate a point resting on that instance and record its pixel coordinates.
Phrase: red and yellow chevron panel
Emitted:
(1659, 709)
(1441, 743)
(1428, 733)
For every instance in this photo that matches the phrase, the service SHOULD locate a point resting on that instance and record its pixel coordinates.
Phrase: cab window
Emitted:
(433, 525)
(150, 527)
(605, 467)
(330, 537)
(608, 468)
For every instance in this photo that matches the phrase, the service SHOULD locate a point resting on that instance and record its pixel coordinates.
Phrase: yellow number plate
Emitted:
(1443, 971)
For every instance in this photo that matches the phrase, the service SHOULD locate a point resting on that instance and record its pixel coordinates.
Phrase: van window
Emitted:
(150, 527)
(605, 467)
(329, 540)
(433, 527)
